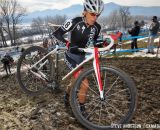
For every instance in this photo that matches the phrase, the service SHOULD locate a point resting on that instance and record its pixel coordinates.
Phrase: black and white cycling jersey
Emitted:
(80, 34)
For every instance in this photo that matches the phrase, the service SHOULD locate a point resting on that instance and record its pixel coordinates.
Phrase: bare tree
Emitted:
(113, 21)
(39, 25)
(57, 20)
(11, 12)
(5, 6)
(2, 33)
(139, 18)
(125, 16)
(17, 13)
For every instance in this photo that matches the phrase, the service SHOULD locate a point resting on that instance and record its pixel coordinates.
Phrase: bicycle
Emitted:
(111, 96)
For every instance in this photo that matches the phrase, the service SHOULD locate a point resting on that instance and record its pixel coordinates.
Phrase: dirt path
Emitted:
(19, 111)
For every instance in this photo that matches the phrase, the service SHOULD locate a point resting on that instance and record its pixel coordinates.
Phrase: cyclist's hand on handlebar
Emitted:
(98, 43)
(76, 50)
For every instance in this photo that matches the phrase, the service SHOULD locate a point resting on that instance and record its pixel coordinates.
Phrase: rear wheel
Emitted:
(117, 107)
(29, 82)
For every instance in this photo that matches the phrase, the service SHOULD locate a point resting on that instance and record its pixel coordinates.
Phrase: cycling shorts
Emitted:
(72, 60)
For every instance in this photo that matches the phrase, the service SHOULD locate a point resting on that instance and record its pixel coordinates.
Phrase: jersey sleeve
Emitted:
(97, 42)
(97, 32)
(66, 27)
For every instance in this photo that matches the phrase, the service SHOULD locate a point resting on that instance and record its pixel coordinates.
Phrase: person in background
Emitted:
(7, 61)
(153, 30)
(134, 32)
(45, 43)
(22, 50)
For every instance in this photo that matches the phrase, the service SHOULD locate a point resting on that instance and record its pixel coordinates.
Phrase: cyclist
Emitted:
(82, 32)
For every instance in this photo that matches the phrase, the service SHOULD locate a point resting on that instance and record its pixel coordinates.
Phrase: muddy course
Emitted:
(18, 111)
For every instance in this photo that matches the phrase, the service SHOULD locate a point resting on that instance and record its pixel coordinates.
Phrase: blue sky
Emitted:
(37, 5)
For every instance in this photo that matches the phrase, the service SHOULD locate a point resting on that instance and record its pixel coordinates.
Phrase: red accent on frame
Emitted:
(98, 67)
(116, 36)
(67, 44)
(76, 74)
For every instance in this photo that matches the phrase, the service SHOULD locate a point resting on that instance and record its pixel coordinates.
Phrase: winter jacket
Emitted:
(154, 27)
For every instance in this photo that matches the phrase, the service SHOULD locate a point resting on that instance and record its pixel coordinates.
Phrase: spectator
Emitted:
(22, 50)
(134, 32)
(7, 61)
(45, 43)
(153, 30)
(17, 48)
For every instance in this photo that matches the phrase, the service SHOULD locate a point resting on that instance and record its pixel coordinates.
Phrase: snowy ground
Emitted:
(143, 53)
(140, 53)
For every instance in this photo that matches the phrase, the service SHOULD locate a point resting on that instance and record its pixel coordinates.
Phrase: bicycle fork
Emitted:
(97, 72)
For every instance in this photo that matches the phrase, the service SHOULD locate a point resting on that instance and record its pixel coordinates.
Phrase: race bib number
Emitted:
(67, 25)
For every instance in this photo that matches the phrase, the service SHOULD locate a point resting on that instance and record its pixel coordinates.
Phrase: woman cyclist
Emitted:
(82, 32)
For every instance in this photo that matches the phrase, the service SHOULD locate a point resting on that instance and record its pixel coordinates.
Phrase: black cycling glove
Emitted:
(75, 50)
(98, 43)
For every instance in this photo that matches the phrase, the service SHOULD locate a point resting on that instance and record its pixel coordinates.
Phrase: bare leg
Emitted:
(83, 91)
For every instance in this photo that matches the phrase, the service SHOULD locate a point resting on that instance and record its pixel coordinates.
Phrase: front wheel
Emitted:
(118, 105)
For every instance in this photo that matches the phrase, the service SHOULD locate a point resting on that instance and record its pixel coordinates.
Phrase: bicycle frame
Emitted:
(94, 56)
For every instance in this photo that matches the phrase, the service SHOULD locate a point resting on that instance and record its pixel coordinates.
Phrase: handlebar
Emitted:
(90, 50)
(111, 37)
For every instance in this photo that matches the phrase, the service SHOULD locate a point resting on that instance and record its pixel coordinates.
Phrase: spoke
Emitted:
(90, 88)
(112, 86)
(115, 108)
(91, 102)
(119, 101)
(29, 86)
(95, 81)
(116, 93)
(104, 83)
(36, 86)
(93, 110)
(100, 114)
(108, 113)
(25, 64)
(27, 81)
(87, 95)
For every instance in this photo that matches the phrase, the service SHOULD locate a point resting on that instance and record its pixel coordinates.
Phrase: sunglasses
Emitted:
(94, 14)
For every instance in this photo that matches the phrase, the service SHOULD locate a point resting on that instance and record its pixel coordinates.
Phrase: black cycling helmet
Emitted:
(154, 17)
(136, 22)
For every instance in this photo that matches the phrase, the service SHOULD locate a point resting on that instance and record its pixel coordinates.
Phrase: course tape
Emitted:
(133, 37)
(131, 50)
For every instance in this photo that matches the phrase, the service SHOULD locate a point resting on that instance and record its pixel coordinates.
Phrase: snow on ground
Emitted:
(140, 53)
(143, 53)
(143, 39)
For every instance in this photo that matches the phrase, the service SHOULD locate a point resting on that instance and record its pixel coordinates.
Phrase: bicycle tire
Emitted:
(88, 120)
(27, 80)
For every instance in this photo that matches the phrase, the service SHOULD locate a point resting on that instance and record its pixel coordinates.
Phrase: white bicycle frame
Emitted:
(94, 55)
